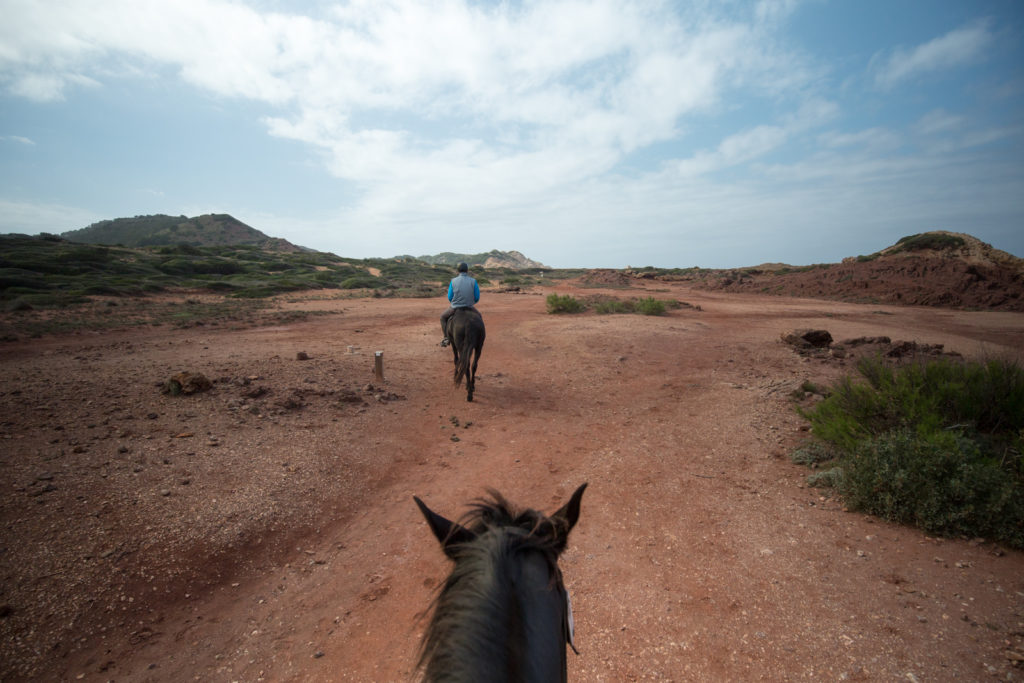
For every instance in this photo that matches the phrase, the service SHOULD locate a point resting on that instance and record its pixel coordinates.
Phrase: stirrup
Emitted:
(445, 342)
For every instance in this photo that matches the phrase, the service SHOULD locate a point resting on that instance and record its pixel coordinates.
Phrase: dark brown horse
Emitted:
(503, 614)
(466, 330)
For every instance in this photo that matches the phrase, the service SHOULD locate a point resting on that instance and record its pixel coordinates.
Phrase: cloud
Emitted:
(939, 121)
(965, 45)
(441, 102)
(876, 139)
(449, 121)
(21, 140)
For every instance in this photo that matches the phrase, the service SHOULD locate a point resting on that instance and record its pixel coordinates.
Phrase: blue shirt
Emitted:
(463, 291)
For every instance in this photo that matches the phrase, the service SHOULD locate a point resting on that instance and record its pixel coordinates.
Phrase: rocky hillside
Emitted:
(207, 230)
(491, 259)
(931, 269)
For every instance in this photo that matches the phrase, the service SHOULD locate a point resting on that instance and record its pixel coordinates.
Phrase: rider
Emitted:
(463, 292)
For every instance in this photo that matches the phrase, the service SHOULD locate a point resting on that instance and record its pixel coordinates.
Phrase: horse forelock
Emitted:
(542, 533)
(475, 612)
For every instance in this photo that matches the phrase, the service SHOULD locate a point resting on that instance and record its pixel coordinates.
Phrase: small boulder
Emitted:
(818, 339)
(187, 383)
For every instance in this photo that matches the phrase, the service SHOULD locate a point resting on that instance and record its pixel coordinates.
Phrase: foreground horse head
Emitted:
(503, 613)
(466, 330)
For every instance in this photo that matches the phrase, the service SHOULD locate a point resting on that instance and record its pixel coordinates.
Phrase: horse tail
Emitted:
(465, 354)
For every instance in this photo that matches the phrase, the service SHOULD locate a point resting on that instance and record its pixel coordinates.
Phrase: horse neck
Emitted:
(500, 618)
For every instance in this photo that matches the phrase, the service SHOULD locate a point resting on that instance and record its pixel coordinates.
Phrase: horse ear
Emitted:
(447, 532)
(570, 512)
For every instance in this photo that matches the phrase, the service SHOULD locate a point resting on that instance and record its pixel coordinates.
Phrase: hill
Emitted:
(208, 230)
(929, 269)
(492, 259)
(40, 272)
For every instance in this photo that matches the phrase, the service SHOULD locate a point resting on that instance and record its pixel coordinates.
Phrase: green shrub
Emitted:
(937, 445)
(929, 240)
(361, 282)
(564, 304)
(650, 306)
(811, 453)
(950, 490)
(831, 478)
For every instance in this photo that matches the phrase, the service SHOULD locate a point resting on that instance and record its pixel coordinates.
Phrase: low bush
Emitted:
(929, 240)
(564, 304)
(361, 282)
(937, 445)
(952, 489)
(650, 306)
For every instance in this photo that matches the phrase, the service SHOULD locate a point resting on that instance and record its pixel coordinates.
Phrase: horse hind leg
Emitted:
(471, 380)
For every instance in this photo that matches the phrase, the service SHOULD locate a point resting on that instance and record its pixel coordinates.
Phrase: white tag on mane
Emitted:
(569, 621)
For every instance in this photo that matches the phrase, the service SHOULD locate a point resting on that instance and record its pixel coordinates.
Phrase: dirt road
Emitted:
(265, 530)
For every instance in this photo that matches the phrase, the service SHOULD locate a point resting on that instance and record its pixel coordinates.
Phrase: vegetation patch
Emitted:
(928, 240)
(936, 445)
(607, 305)
(566, 303)
(650, 306)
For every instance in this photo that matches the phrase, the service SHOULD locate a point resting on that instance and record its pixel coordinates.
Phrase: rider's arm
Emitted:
(451, 291)
(476, 291)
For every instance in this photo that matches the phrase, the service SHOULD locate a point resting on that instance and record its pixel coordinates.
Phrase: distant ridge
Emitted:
(491, 259)
(937, 268)
(213, 229)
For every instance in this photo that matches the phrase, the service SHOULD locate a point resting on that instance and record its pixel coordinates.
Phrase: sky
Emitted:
(582, 133)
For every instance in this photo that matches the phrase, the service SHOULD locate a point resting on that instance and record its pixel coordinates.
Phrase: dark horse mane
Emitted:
(465, 610)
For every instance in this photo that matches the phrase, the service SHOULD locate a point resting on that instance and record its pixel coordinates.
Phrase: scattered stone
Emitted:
(292, 402)
(860, 341)
(817, 339)
(301, 355)
(255, 392)
(187, 383)
(46, 489)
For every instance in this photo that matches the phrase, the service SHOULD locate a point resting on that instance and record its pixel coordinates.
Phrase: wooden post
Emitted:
(378, 365)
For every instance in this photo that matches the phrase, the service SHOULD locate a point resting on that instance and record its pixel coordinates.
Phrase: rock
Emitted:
(349, 396)
(819, 339)
(255, 392)
(293, 402)
(187, 383)
(860, 341)
(301, 355)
